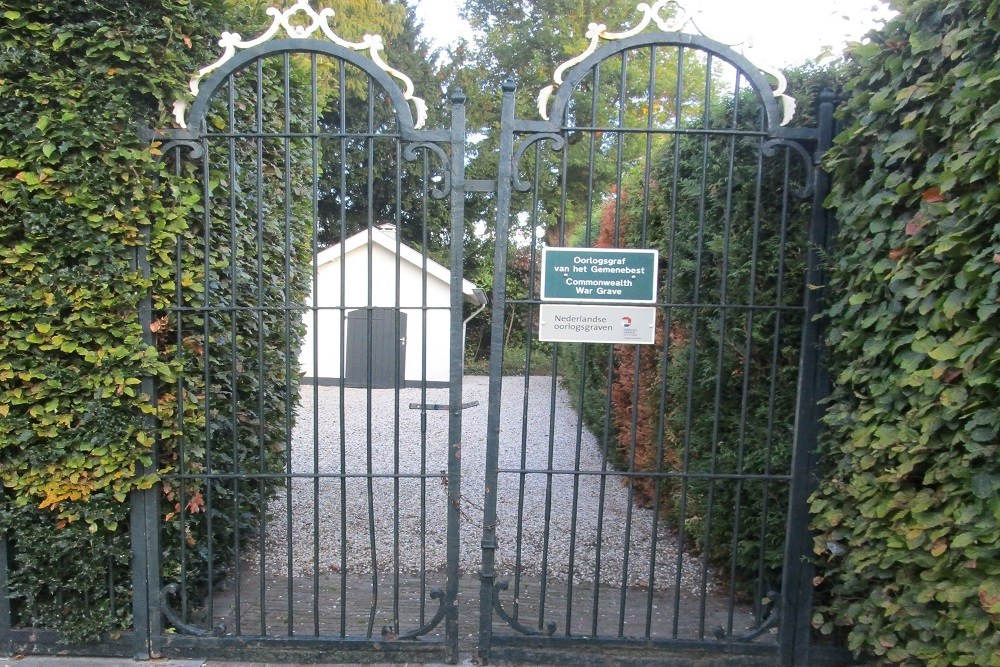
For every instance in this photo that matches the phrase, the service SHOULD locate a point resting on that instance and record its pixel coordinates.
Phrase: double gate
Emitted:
(602, 501)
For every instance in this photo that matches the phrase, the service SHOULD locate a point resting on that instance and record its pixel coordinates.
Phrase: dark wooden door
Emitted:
(378, 336)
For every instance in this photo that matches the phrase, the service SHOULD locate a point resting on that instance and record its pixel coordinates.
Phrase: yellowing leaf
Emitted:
(939, 548)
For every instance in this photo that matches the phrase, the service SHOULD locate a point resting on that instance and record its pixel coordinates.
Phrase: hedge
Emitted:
(77, 186)
(908, 514)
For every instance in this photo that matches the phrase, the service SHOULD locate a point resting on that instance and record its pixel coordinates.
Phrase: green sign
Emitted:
(599, 274)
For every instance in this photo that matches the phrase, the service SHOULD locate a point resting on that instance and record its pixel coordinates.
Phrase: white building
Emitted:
(395, 314)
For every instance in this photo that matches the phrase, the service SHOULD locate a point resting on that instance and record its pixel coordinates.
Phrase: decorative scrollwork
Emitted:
(550, 628)
(678, 21)
(318, 21)
(558, 142)
(195, 149)
(410, 155)
(436, 594)
(770, 149)
(772, 620)
(172, 589)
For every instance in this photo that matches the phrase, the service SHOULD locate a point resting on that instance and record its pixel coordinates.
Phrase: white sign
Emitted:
(597, 324)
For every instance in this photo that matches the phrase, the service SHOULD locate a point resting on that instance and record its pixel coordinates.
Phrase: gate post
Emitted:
(456, 370)
(797, 585)
(487, 576)
(144, 505)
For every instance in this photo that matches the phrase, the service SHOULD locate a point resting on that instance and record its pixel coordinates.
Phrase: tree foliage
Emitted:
(909, 512)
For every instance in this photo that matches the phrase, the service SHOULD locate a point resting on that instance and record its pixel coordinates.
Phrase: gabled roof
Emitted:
(407, 254)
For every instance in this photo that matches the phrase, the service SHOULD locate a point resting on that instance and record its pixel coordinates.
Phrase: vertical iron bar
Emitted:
(286, 311)
(693, 341)
(144, 511)
(745, 390)
(314, 125)
(529, 320)
(796, 599)
(179, 389)
(553, 388)
(342, 311)
(424, 191)
(398, 380)
(261, 447)
(233, 359)
(644, 240)
(605, 439)
(487, 575)
(668, 320)
(369, 453)
(207, 360)
(727, 220)
(455, 370)
(627, 541)
(588, 216)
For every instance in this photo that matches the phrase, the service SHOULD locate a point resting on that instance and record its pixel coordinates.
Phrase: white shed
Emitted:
(401, 332)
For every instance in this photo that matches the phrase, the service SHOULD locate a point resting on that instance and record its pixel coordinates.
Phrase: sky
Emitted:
(774, 32)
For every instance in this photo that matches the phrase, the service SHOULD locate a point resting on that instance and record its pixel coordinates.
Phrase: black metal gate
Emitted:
(647, 500)
(644, 502)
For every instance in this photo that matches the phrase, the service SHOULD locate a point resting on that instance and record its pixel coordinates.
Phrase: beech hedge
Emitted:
(77, 188)
(908, 514)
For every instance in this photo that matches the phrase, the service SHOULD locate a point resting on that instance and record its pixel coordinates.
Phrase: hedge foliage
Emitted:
(228, 253)
(909, 515)
(76, 187)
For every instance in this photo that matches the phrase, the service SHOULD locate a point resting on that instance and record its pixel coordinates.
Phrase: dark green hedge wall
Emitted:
(77, 79)
(909, 513)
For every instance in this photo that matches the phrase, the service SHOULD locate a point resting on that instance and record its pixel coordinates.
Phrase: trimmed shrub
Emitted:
(909, 512)
(76, 186)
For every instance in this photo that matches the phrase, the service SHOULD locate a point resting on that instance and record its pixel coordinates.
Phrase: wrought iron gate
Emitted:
(300, 512)
(651, 499)
(641, 502)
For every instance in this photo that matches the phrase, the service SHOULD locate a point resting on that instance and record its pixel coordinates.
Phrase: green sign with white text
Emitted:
(599, 274)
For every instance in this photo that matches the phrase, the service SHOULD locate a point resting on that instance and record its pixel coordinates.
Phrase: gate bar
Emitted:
(797, 587)
(144, 505)
(487, 576)
(455, 371)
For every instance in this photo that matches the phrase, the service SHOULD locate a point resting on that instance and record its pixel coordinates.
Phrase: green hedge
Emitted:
(909, 512)
(226, 411)
(77, 185)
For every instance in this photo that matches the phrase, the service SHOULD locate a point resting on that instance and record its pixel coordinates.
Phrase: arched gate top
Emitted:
(668, 35)
(300, 39)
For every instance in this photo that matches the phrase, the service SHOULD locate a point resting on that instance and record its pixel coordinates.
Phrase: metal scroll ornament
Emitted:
(318, 22)
(677, 22)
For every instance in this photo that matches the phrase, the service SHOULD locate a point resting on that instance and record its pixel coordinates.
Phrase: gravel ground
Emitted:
(317, 530)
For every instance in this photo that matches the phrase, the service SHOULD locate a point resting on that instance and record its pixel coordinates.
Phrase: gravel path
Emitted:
(421, 541)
